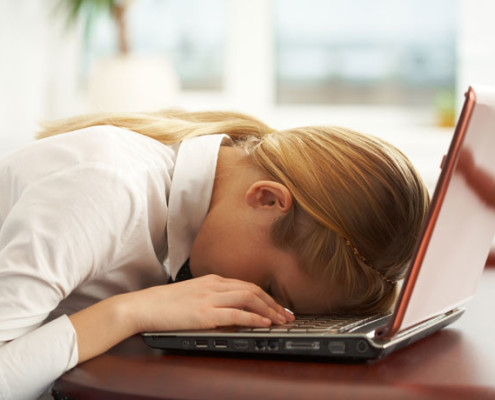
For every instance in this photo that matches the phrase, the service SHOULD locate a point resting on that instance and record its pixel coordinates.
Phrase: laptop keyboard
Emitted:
(314, 324)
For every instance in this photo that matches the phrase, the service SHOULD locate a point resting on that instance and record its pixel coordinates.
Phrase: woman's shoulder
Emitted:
(104, 147)
(106, 143)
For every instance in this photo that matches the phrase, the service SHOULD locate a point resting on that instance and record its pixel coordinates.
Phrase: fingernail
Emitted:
(290, 314)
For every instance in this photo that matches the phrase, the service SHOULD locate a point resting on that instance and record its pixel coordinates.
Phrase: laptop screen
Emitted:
(460, 226)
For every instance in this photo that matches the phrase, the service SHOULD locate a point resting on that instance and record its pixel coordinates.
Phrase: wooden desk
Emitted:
(458, 362)
(490, 262)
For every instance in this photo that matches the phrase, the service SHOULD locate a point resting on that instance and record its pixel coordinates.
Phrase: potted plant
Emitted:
(89, 10)
(125, 81)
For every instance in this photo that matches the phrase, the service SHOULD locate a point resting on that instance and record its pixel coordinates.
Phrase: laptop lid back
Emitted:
(460, 226)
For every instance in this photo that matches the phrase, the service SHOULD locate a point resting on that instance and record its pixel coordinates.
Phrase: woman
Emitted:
(316, 219)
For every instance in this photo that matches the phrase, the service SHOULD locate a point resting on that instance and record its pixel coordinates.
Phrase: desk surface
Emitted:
(458, 362)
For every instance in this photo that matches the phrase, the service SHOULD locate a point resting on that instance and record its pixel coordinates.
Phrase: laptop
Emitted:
(447, 263)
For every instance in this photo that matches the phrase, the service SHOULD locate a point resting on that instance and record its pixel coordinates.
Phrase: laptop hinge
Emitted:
(383, 333)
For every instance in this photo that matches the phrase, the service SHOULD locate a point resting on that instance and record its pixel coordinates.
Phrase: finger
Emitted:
(233, 284)
(247, 300)
(226, 284)
(234, 316)
(266, 298)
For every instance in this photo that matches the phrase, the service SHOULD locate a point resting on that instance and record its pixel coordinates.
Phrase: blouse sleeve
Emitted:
(62, 230)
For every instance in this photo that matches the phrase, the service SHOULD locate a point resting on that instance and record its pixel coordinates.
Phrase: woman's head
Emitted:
(357, 207)
(357, 210)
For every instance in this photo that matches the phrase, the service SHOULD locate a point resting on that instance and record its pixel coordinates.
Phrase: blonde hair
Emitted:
(358, 201)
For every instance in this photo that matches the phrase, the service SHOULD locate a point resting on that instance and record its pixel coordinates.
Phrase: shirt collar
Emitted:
(190, 195)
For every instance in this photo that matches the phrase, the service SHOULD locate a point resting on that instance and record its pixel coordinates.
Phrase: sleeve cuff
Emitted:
(31, 363)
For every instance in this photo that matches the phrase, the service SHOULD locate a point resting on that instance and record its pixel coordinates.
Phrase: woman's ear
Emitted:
(269, 195)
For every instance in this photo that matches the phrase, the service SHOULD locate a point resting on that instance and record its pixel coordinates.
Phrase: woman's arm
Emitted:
(57, 232)
(200, 303)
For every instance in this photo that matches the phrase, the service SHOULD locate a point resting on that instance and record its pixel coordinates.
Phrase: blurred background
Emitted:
(395, 69)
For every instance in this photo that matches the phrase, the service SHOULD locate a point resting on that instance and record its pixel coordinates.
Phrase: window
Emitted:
(382, 52)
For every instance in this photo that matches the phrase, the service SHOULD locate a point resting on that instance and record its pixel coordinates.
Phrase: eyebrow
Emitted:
(286, 297)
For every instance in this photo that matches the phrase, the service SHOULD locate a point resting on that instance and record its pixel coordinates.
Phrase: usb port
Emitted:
(220, 344)
(336, 347)
(201, 343)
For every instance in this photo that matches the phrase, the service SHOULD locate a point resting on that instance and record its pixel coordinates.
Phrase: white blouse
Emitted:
(84, 216)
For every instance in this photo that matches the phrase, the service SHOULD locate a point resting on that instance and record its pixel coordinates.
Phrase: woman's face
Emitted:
(235, 244)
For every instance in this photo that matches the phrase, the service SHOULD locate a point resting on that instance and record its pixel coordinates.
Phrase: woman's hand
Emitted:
(203, 303)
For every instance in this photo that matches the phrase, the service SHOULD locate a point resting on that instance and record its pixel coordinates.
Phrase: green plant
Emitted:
(87, 11)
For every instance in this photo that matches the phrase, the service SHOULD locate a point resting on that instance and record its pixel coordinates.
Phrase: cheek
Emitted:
(309, 295)
(317, 298)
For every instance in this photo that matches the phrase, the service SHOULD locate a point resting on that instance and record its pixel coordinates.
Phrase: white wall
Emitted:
(38, 69)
